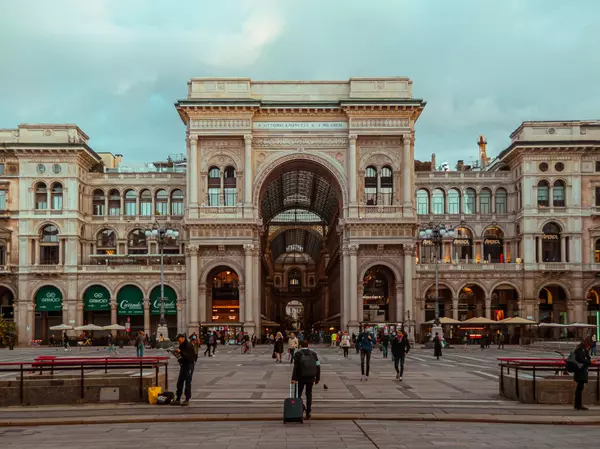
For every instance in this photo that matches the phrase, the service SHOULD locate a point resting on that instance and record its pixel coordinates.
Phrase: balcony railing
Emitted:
(470, 267)
(379, 211)
(42, 268)
(130, 268)
(221, 210)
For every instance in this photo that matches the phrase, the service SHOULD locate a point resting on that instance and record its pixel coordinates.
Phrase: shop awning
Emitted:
(481, 320)
(445, 320)
(170, 301)
(48, 299)
(269, 323)
(130, 300)
(516, 321)
(96, 298)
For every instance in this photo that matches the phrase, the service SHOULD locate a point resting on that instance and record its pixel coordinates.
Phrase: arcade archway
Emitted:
(379, 293)
(552, 301)
(444, 302)
(300, 204)
(471, 302)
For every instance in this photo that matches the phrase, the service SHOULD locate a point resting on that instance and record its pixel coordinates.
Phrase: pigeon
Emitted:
(325, 387)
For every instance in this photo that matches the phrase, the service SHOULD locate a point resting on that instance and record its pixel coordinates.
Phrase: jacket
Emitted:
(188, 355)
(345, 341)
(364, 343)
(278, 346)
(139, 341)
(582, 355)
(400, 347)
(293, 343)
(296, 374)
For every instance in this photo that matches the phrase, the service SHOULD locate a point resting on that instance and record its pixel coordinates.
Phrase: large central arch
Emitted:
(301, 198)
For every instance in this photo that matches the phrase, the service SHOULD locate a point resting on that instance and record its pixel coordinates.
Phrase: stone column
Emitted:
(242, 302)
(147, 315)
(488, 308)
(80, 312)
(192, 170)
(248, 170)
(204, 307)
(256, 293)
(409, 310)
(193, 298)
(352, 169)
(344, 302)
(249, 280)
(399, 303)
(455, 308)
(407, 169)
(36, 250)
(540, 258)
(563, 248)
(504, 251)
(113, 314)
(353, 287)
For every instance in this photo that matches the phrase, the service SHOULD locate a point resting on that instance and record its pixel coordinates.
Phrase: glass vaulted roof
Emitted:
(297, 241)
(299, 189)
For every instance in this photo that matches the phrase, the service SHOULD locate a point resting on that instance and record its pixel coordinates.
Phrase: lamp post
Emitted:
(161, 234)
(436, 233)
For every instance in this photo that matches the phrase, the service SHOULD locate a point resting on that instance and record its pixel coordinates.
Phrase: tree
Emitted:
(8, 332)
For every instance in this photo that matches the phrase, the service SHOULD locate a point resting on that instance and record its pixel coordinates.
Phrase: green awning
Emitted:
(96, 298)
(170, 301)
(130, 300)
(48, 299)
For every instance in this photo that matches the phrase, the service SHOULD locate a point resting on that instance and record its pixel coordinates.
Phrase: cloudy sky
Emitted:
(115, 67)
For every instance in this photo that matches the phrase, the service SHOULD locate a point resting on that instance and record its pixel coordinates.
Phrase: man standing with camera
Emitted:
(186, 357)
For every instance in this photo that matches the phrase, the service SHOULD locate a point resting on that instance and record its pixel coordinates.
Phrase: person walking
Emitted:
(278, 348)
(345, 343)
(437, 346)
(501, 340)
(65, 340)
(365, 340)
(465, 342)
(196, 345)
(400, 347)
(333, 339)
(582, 362)
(292, 346)
(594, 342)
(186, 360)
(111, 345)
(139, 344)
(209, 339)
(306, 372)
(385, 341)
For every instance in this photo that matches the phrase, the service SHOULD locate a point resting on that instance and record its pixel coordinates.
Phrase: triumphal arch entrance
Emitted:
(299, 198)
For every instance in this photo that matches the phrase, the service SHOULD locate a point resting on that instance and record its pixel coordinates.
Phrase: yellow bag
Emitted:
(153, 393)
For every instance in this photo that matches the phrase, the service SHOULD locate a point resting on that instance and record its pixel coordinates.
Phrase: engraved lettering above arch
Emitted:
(304, 142)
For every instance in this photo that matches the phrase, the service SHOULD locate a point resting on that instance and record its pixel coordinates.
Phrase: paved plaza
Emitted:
(317, 434)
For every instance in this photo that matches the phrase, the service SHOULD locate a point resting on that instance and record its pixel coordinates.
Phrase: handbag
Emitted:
(273, 356)
(571, 364)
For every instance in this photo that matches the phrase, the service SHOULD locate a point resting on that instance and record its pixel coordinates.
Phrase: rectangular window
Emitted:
(114, 210)
(130, 208)
(49, 255)
(230, 196)
(176, 208)
(2, 199)
(99, 210)
(597, 196)
(423, 205)
(597, 165)
(1, 169)
(57, 202)
(484, 205)
(145, 209)
(500, 204)
(162, 208)
(371, 196)
(213, 196)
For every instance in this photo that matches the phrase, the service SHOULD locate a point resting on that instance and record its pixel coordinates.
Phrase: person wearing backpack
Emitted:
(580, 370)
(306, 372)
(365, 341)
(400, 347)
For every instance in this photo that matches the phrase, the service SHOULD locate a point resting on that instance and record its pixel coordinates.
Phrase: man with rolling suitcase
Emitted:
(306, 373)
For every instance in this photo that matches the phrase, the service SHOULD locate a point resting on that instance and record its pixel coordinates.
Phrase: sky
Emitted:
(116, 67)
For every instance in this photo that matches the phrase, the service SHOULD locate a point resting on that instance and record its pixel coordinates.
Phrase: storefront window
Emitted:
(376, 294)
(493, 244)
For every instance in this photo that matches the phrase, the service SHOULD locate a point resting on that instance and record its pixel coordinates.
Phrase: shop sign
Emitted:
(492, 242)
(48, 299)
(131, 307)
(225, 293)
(427, 242)
(170, 301)
(550, 237)
(96, 298)
(372, 307)
(461, 242)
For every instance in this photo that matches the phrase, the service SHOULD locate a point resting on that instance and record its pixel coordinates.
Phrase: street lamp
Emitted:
(436, 233)
(161, 235)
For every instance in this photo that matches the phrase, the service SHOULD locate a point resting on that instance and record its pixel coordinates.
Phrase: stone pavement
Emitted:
(356, 434)
(459, 387)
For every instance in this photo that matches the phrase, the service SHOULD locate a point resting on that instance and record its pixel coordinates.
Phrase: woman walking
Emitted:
(400, 347)
(437, 346)
(365, 340)
(345, 343)
(278, 348)
(292, 346)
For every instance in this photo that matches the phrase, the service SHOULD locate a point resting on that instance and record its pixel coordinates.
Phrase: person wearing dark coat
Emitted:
(278, 348)
(400, 347)
(582, 356)
(186, 359)
(437, 346)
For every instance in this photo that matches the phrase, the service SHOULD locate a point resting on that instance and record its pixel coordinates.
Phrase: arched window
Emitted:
(558, 194)
(454, 202)
(229, 186)
(56, 194)
(501, 201)
(463, 244)
(422, 202)
(551, 236)
(214, 187)
(177, 202)
(130, 203)
(145, 203)
(106, 242)
(371, 186)
(485, 202)
(41, 196)
(114, 203)
(543, 194)
(493, 245)
(49, 245)
(469, 202)
(161, 202)
(387, 186)
(597, 251)
(438, 202)
(294, 278)
(98, 203)
(136, 243)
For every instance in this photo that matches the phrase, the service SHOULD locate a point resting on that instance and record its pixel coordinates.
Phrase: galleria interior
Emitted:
(301, 193)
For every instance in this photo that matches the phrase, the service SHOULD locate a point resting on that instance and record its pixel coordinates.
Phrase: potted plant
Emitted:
(8, 333)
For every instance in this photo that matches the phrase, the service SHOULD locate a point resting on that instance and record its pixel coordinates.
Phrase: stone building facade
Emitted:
(295, 191)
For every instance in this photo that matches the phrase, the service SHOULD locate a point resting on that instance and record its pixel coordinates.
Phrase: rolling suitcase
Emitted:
(293, 407)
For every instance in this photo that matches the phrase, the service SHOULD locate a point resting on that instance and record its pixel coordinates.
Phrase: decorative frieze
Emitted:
(206, 124)
(380, 230)
(304, 142)
(379, 122)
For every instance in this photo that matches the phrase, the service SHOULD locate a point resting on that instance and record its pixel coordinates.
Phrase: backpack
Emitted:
(165, 398)
(211, 340)
(308, 365)
(571, 364)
